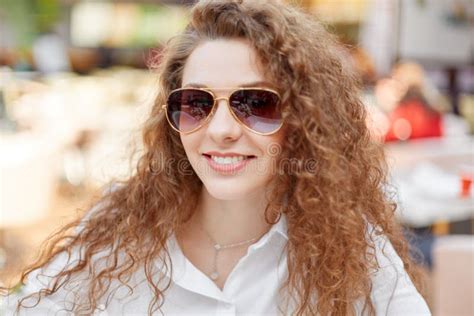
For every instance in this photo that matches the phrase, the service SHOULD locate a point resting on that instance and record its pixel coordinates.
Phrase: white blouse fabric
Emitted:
(251, 288)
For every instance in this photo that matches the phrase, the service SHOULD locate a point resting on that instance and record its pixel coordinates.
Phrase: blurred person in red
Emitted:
(410, 104)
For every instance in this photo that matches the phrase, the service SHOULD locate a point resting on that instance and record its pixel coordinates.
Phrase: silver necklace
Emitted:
(218, 247)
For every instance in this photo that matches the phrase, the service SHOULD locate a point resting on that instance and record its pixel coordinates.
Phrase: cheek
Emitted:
(273, 145)
(273, 151)
(266, 166)
(189, 143)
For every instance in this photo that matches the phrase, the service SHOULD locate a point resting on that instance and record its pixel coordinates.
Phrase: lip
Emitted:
(230, 168)
(218, 154)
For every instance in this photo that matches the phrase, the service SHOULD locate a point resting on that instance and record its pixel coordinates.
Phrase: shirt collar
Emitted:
(281, 226)
(186, 275)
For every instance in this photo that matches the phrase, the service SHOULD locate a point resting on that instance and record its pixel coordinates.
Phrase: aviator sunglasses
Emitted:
(257, 109)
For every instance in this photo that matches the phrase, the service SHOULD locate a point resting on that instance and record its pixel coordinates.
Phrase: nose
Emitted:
(223, 127)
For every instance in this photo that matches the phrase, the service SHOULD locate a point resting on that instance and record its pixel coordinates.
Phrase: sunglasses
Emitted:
(257, 109)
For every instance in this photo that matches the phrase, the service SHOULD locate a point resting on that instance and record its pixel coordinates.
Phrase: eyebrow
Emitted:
(244, 85)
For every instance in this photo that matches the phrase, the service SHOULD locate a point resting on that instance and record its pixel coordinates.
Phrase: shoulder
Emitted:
(393, 292)
(45, 278)
(41, 279)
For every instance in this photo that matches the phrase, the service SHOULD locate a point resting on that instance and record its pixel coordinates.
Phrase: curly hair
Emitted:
(327, 209)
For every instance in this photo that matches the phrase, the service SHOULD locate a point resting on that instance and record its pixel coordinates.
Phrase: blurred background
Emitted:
(75, 87)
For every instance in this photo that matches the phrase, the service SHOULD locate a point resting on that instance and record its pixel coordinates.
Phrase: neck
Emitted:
(231, 221)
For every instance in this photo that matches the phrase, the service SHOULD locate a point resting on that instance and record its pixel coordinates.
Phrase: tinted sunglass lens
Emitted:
(187, 108)
(259, 110)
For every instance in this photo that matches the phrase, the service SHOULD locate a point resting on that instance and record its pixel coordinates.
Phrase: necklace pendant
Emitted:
(214, 275)
(217, 246)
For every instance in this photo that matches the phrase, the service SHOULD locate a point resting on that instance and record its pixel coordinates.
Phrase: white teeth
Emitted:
(227, 160)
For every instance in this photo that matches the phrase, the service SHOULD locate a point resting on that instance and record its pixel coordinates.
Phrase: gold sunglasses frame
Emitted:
(216, 99)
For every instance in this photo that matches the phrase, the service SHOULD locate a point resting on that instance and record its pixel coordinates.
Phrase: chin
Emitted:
(230, 192)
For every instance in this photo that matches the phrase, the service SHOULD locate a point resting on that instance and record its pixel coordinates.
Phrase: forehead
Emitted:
(222, 63)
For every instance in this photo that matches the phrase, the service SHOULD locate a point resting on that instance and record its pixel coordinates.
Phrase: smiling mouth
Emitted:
(233, 160)
(229, 165)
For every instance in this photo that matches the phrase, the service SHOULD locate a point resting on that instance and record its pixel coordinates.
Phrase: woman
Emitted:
(259, 192)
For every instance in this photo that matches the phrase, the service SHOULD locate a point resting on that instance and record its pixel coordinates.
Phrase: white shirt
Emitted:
(250, 289)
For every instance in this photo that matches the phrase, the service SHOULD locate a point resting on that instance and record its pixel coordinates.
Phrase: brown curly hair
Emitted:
(327, 209)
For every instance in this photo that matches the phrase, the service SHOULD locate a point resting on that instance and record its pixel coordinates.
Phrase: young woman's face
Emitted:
(221, 64)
